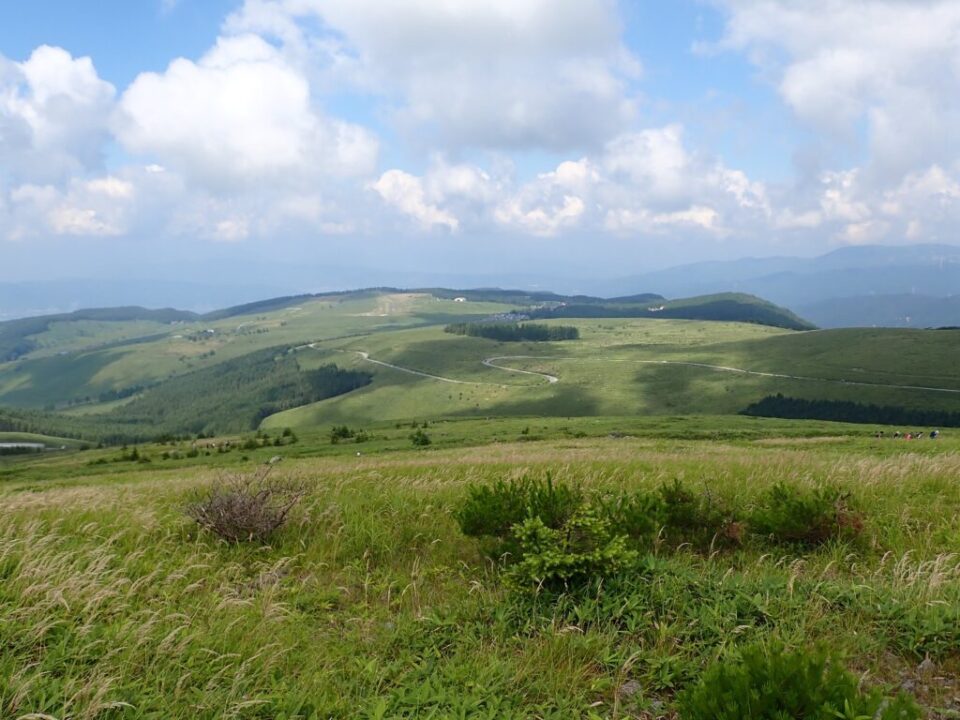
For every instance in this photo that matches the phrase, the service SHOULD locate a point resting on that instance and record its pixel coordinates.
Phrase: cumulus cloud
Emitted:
(891, 65)
(98, 207)
(645, 183)
(244, 142)
(404, 192)
(240, 114)
(54, 111)
(472, 73)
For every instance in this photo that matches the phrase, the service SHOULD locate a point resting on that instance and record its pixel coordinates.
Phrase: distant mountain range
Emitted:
(865, 286)
(25, 299)
(911, 286)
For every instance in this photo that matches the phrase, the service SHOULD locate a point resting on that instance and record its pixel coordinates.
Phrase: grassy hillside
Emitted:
(371, 603)
(726, 307)
(65, 370)
(105, 381)
(646, 367)
(22, 337)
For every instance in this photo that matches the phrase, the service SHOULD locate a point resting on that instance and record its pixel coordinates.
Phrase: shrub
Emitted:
(638, 516)
(340, 432)
(585, 547)
(245, 508)
(792, 516)
(420, 438)
(493, 510)
(779, 685)
(699, 519)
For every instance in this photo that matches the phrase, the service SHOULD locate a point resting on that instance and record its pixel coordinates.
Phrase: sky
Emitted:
(333, 142)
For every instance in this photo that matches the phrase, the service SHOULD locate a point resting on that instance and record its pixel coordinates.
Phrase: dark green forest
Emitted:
(847, 411)
(515, 332)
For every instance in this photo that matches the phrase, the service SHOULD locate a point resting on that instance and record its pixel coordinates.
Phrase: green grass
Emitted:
(622, 367)
(371, 604)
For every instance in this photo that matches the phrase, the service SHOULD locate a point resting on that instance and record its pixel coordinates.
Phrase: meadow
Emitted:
(633, 366)
(371, 602)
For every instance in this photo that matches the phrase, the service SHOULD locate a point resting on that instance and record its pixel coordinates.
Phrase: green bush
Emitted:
(639, 516)
(791, 515)
(420, 438)
(493, 510)
(340, 432)
(584, 548)
(780, 685)
(702, 520)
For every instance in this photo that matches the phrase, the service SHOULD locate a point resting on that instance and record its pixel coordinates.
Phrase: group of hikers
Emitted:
(934, 434)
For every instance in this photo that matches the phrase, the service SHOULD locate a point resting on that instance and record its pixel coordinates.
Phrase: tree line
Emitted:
(848, 411)
(515, 332)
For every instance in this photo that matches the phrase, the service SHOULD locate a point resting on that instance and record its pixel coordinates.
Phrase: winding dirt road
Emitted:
(718, 368)
(409, 371)
(492, 362)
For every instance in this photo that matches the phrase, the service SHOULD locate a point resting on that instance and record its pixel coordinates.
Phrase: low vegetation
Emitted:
(776, 684)
(464, 583)
(246, 508)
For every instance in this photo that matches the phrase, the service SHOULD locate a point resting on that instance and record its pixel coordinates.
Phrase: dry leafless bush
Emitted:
(246, 507)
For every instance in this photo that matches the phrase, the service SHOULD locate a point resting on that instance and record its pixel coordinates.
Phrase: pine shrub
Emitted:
(784, 685)
(793, 516)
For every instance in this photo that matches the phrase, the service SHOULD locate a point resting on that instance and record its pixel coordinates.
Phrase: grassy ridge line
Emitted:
(15, 334)
(726, 307)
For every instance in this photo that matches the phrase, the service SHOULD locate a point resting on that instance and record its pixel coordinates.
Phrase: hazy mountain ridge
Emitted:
(855, 286)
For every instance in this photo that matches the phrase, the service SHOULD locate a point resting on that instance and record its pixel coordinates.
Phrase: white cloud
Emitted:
(53, 116)
(99, 207)
(241, 114)
(231, 230)
(111, 187)
(641, 183)
(892, 66)
(541, 218)
(405, 193)
(476, 73)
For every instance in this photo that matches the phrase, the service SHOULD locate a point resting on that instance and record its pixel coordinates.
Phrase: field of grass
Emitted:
(372, 604)
(647, 367)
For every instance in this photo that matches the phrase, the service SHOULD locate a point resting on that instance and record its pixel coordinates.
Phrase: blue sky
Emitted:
(499, 137)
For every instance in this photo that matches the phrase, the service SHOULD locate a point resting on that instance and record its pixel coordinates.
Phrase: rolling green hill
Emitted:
(728, 307)
(142, 376)
(645, 367)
